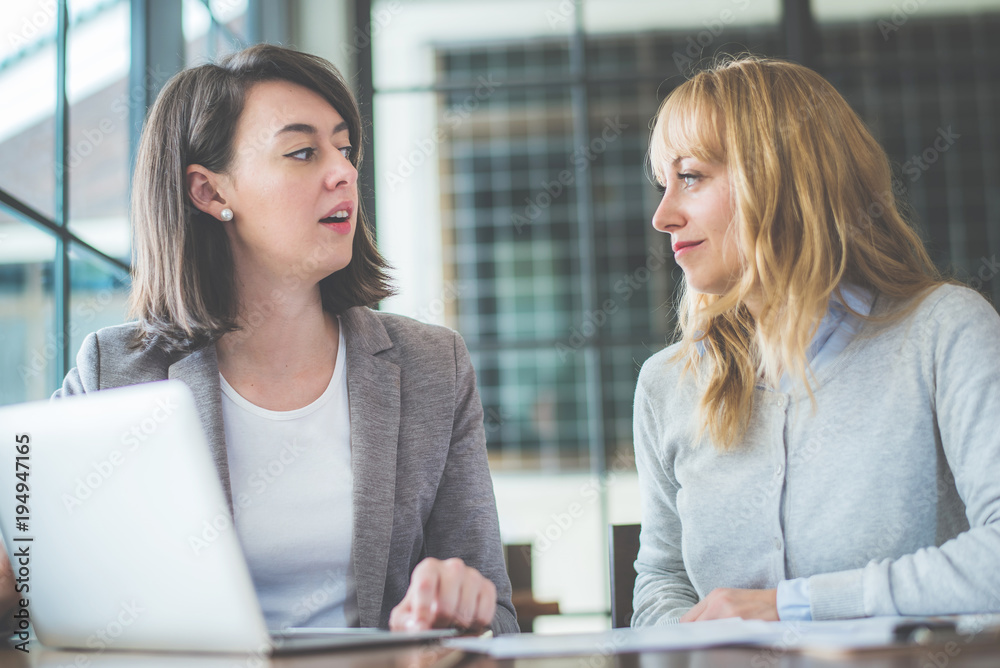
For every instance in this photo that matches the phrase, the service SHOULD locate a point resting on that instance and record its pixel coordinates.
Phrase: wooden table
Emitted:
(433, 656)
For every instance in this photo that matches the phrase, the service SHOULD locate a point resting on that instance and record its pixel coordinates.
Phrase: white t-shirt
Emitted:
(292, 488)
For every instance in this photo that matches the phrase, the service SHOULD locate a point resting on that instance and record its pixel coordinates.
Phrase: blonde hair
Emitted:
(814, 209)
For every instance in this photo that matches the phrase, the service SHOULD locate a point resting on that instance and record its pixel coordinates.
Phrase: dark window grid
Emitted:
(876, 101)
(520, 59)
(662, 52)
(915, 99)
(635, 160)
(952, 158)
(525, 92)
(546, 406)
(756, 39)
(612, 56)
(520, 301)
(987, 107)
(511, 260)
(626, 254)
(621, 372)
(533, 404)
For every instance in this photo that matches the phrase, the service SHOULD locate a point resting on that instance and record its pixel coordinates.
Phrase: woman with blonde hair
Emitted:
(822, 441)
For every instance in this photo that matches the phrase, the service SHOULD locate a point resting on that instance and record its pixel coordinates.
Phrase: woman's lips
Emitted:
(338, 218)
(682, 247)
(339, 228)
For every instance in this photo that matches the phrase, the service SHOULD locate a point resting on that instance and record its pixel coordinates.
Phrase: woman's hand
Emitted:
(744, 603)
(445, 594)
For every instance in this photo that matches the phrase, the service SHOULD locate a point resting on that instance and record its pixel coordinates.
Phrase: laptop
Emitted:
(114, 516)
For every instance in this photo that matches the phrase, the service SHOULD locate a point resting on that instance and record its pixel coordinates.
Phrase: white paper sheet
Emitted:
(619, 641)
(833, 635)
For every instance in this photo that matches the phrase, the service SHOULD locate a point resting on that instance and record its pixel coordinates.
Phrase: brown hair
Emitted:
(183, 291)
(815, 207)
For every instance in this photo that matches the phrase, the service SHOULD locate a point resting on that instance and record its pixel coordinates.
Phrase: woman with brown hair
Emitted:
(253, 272)
(822, 440)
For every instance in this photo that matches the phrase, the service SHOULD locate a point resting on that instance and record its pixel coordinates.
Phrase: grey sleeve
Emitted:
(463, 522)
(85, 376)
(663, 591)
(961, 339)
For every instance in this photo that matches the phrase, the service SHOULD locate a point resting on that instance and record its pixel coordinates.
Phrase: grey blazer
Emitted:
(422, 486)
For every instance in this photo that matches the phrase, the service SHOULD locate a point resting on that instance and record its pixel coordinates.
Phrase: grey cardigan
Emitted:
(422, 485)
(886, 496)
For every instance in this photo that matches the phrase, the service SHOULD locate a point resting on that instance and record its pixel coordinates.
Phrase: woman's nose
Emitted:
(667, 218)
(340, 171)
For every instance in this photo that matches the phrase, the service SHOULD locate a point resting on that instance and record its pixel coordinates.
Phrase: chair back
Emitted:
(518, 559)
(623, 545)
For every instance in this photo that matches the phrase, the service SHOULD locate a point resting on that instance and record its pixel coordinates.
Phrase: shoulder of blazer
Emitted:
(377, 331)
(113, 355)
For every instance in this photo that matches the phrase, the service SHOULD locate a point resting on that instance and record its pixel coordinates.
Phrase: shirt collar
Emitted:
(844, 317)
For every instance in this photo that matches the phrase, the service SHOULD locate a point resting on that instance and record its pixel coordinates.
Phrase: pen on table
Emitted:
(925, 631)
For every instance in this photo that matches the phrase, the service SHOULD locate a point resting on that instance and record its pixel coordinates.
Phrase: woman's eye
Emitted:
(302, 154)
(345, 151)
(688, 179)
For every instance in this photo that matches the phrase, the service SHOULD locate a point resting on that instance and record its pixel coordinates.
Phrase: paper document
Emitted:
(832, 636)
(618, 641)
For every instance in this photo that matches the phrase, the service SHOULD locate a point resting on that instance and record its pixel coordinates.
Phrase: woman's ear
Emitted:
(202, 189)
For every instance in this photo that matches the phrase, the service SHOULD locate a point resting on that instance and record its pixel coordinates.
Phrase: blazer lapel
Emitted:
(373, 393)
(200, 371)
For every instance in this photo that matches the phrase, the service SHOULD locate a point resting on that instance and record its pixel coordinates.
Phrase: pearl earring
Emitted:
(227, 214)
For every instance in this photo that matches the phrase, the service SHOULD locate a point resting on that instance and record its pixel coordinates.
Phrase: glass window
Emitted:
(99, 291)
(100, 107)
(101, 101)
(29, 346)
(28, 91)
(213, 29)
(33, 341)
